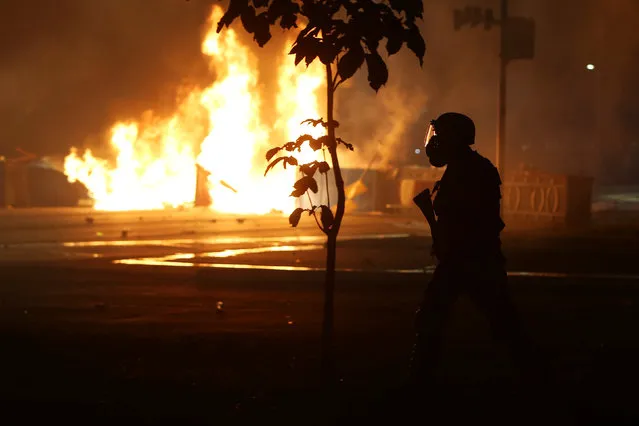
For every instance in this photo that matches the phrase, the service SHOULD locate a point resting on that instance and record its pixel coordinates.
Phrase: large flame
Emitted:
(298, 101)
(219, 128)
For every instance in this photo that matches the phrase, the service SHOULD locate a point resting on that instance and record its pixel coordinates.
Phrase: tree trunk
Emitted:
(328, 362)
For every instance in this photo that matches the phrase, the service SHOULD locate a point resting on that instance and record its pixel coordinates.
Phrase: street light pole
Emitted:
(595, 151)
(500, 157)
(517, 39)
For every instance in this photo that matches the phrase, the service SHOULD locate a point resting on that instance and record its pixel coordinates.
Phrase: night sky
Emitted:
(70, 68)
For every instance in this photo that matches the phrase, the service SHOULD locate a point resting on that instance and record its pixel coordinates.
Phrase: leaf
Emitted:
(262, 32)
(273, 163)
(310, 58)
(276, 9)
(288, 21)
(309, 29)
(235, 9)
(295, 217)
(271, 153)
(415, 42)
(313, 185)
(306, 183)
(289, 146)
(297, 193)
(393, 31)
(327, 217)
(323, 167)
(372, 44)
(351, 61)
(327, 142)
(316, 144)
(394, 43)
(304, 138)
(327, 52)
(287, 160)
(346, 144)
(295, 50)
(412, 8)
(305, 47)
(377, 71)
(248, 19)
(309, 169)
(313, 122)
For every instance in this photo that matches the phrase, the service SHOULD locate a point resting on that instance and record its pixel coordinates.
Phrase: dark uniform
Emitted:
(468, 246)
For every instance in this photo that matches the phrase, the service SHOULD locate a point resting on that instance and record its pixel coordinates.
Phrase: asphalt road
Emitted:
(205, 239)
(198, 346)
(98, 326)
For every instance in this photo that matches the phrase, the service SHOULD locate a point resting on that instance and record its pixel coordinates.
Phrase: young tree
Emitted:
(343, 35)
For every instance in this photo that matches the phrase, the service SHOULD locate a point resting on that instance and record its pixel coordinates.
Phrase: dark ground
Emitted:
(94, 343)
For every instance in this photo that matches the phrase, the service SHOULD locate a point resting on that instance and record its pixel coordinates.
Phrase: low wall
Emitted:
(545, 199)
(24, 185)
(528, 198)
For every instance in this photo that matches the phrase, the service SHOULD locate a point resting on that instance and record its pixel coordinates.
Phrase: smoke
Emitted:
(564, 118)
(616, 45)
(80, 66)
(71, 68)
(378, 123)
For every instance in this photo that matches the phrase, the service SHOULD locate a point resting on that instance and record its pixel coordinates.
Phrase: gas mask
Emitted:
(433, 147)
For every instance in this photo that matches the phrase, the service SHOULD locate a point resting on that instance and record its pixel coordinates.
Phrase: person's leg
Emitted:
(430, 321)
(490, 291)
(492, 294)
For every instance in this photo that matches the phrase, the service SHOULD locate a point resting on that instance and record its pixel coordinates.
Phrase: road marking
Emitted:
(210, 241)
(308, 243)
(581, 275)
(176, 260)
(162, 262)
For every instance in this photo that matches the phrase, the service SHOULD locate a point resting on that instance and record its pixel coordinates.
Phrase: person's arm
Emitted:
(425, 204)
(423, 201)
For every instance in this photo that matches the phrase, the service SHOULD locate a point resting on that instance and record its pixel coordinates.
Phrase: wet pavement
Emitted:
(204, 240)
(160, 321)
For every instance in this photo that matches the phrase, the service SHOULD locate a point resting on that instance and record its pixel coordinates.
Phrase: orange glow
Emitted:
(297, 101)
(220, 128)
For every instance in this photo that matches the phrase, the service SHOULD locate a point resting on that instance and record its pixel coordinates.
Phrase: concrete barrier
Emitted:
(28, 184)
(540, 199)
(529, 199)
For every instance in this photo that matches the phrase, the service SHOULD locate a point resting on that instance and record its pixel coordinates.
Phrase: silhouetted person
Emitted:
(466, 228)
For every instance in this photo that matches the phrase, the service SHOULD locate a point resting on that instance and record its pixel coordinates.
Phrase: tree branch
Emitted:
(328, 192)
(335, 78)
(310, 201)
(334, 84)
(336, 73)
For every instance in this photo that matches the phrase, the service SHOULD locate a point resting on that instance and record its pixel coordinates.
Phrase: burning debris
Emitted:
(228, 186)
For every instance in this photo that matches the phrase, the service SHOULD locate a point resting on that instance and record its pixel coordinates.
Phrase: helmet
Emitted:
(455, 127)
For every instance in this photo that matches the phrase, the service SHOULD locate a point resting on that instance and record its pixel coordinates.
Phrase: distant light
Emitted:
(590, 67)
(418, 151)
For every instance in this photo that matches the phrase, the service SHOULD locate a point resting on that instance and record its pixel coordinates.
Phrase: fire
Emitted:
(142, 179)
(220, 128)
(298, 101)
